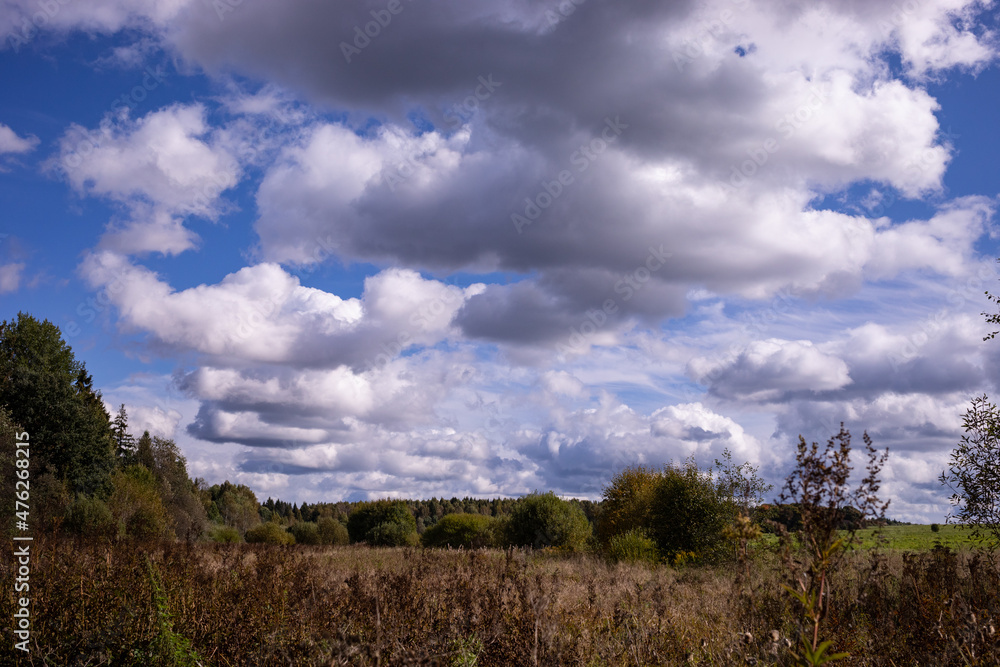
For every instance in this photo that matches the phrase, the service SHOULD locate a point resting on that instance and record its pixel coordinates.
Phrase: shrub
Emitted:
(50, 501)
(136, 505)
(332, 532)
(499, 530)
(269, 533)
(688, 514)
(470, 531)
(682, 509)
(545, 520)
(935, 528)
(90, 517)
(632, 546)
(383, 523)
(626, 502)
(305, 532)
(224, 535)
(393, 534)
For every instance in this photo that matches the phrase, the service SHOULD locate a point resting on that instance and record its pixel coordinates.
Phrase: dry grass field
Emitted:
(221, 605)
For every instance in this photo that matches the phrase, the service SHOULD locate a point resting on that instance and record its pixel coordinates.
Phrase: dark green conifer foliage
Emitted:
(51, 395)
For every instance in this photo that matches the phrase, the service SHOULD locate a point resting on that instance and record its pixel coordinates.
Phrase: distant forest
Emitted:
(91, 475)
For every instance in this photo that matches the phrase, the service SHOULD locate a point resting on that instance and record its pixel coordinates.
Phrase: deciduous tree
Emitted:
(545, 520)
(237, 505)
(973, 474)
(470, 531)
(382, 523)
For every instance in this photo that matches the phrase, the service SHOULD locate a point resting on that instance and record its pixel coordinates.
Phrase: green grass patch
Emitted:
(917, 537)
(896, 538)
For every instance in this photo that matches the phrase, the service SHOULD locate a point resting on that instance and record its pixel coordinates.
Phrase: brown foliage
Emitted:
(244, 604)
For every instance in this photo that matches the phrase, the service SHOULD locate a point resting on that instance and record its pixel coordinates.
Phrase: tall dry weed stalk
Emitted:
(820, 487)
(260, 605)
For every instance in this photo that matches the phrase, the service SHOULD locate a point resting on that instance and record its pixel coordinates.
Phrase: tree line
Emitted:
(91, 476)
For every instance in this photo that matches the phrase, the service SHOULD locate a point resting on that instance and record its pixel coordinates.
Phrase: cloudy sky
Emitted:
(372, 248)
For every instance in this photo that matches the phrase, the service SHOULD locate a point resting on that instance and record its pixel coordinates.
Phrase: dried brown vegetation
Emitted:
(213, 604)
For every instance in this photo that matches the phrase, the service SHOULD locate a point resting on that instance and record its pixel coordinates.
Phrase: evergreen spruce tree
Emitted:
(50, 394)
(126, 448)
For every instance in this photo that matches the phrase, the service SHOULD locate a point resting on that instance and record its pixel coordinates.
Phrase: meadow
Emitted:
(107, 603)
(916, 537)
(912, 537)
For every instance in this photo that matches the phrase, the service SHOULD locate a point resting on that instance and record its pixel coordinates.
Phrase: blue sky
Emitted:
(511, 247)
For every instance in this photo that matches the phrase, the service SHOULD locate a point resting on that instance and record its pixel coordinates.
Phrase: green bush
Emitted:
(136, 504)
(470, 531)
(224, 535)
(269, 533)
(393, 534)
(500, 531)
(632, 546)
(684, 510)
(332, 532)
(544, 520)
(305, 532)
(626, 502)
(383, 523)
(91, 517)
(688, 514)
(935, 528)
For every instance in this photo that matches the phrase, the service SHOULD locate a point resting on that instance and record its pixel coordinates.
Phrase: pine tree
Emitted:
(125, 446)
(144, 451)
(51, 395)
